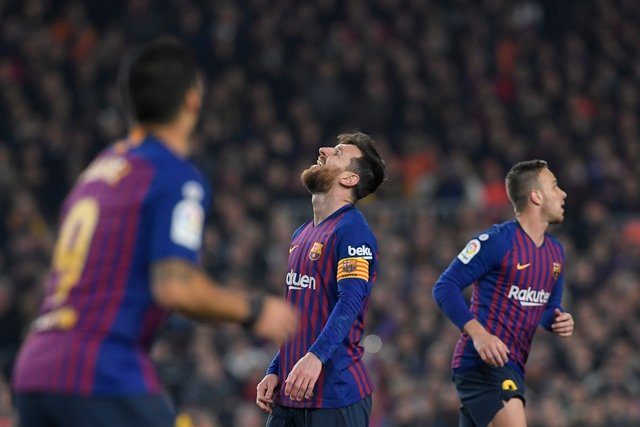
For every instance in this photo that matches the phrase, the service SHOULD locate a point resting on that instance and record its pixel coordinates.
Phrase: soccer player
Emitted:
(318, 377)
(517, 271)
(127, 255)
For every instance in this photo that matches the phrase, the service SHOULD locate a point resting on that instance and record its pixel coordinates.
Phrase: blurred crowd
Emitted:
(453, 91)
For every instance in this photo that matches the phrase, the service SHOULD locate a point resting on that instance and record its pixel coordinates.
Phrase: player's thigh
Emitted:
(483, 393)
(355, 415)
(465, 418)
(511, 415)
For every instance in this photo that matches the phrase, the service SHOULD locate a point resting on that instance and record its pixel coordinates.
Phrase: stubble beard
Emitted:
(557, 218)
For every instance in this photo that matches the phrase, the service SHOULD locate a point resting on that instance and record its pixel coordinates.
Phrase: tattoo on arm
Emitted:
(169, 270)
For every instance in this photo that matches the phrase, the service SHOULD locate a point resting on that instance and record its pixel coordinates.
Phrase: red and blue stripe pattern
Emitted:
(104, 350)
(319, 264)
(509, 299)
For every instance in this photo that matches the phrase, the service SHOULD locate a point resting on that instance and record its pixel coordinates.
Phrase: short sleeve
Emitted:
(177, 212)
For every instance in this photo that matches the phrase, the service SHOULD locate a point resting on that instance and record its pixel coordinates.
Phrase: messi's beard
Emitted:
(319, 180)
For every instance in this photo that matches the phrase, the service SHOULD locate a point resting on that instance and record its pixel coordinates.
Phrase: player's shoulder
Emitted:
(352, 220)
(162, 158)
(354, 235)
(172, 172)
(503, 231)
(491, 242)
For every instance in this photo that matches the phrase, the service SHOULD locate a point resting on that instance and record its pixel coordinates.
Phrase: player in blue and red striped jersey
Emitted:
(127, 255)
(517, 271)
(318, 377)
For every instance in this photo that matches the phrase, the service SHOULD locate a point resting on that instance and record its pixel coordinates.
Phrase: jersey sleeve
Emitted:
(274, 366)
(555, 300)
(356, 250)
(177, 211)
(476, 259)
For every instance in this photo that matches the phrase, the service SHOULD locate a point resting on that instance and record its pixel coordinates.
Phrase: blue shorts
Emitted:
(356, 415)
(57, 410)
(482, 392)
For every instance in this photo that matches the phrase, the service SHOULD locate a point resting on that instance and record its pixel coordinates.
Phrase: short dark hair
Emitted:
(154, 79)
(370, 167)
(521, 180)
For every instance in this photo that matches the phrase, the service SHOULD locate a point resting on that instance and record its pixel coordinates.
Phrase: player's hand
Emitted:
(277, 321)
(562, 323)
(266, 389)
(302, 378)
(490, 348)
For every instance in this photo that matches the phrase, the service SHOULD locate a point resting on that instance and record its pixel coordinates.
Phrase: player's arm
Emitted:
(490, 348)
(473, 262)
(554, 318)
(180, 285)
(267, 388)
(302, 378)
(448, 294)
(274, 367)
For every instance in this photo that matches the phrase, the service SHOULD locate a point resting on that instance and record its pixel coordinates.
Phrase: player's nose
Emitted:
(326, 151)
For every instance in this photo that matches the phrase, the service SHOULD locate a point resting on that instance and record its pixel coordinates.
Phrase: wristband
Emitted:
(255, 309)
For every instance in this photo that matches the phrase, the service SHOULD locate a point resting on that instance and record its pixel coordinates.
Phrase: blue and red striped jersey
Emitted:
(331, 272)
(135, 204)
(516, 287)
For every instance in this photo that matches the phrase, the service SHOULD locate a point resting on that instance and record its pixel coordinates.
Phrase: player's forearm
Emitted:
(180, 286)
(474, 329)
(274, 367)
(203, 299)
(451, 302)
(555, 300)
(334, 331)
(339, 323)
(547, 317)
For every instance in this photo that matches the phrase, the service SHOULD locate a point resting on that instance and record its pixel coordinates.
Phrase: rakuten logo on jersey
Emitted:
(361, 251)
(297, 281)
(529, 297)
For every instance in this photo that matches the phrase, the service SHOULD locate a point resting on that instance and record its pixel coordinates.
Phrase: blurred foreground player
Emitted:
(318, 377)
(517, 272)
(126, 256)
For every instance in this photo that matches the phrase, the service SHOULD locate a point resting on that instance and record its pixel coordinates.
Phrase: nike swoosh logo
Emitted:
(522, 266)
(292, 248)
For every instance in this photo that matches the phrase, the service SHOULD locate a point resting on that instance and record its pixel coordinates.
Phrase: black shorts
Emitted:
(356, 415)
(482, 392)
(53, 410)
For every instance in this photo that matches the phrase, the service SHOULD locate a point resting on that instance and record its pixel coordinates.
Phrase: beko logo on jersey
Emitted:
(361, 251)
(529, 297)
(297, 281)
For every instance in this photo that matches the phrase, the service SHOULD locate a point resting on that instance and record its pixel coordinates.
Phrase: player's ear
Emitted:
(536, 197)
(193, 99)
(349, 179)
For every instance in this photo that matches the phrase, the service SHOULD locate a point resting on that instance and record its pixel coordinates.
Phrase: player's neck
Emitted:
(533, 226)
(174, 135)
(175, 140)
(324, 204)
